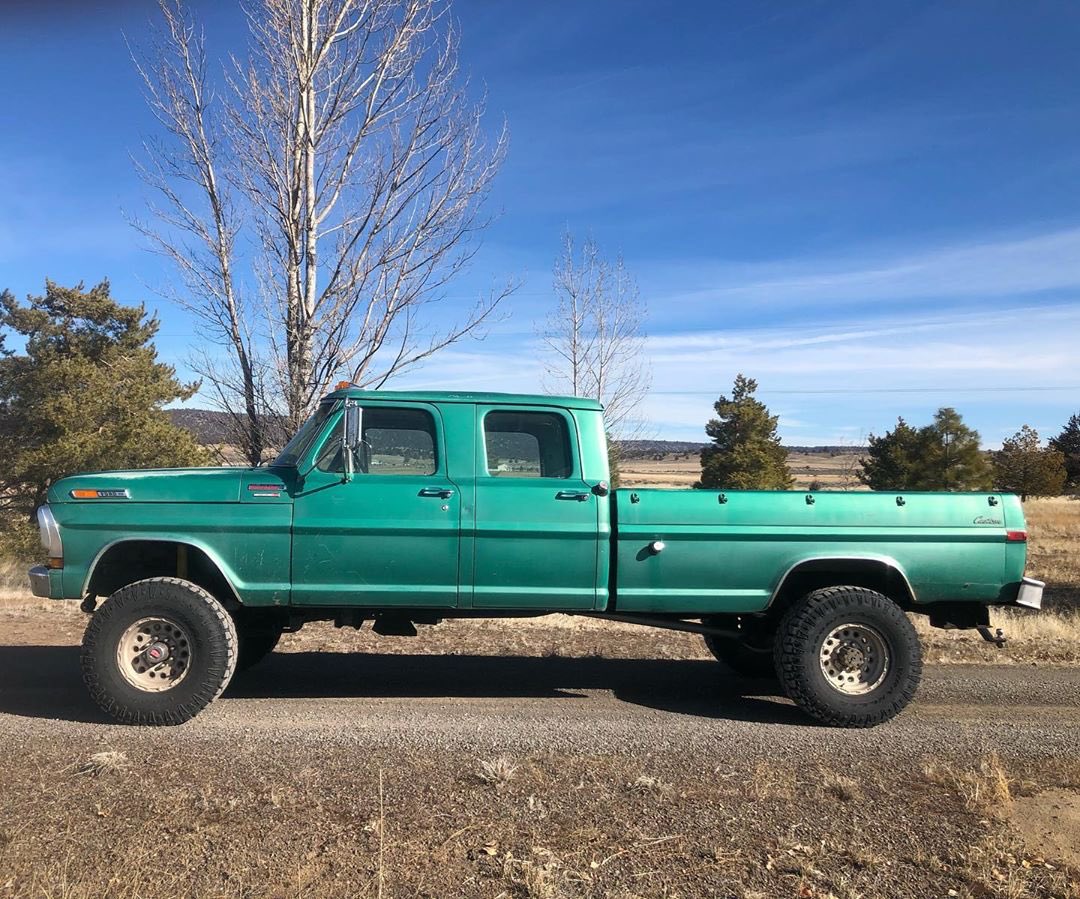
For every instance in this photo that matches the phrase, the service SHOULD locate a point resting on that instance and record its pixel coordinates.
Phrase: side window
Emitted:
(394, 441)
(527, 445)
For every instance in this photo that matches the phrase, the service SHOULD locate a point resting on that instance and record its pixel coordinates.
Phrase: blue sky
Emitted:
(872, 208)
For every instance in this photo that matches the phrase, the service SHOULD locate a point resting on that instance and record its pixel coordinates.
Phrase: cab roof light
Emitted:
(1016, 536)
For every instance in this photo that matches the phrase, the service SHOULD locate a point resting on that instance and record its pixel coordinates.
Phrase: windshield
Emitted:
(309, 431)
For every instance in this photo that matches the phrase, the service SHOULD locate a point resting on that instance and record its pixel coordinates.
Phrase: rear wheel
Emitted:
(848, 656)
(158, 651)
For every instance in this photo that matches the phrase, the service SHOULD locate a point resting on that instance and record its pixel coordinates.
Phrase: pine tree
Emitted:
(943, 455)
(745, 453)
(85, 394)
(1024, 467)
(948, 456)
(890, 459)
(1068, 444)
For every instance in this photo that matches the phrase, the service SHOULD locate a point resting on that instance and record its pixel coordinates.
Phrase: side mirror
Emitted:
(350, 440)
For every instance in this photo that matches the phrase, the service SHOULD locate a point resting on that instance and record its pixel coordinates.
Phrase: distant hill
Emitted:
(648, 449)
(211, 428)
(651, 449)
(827, 450)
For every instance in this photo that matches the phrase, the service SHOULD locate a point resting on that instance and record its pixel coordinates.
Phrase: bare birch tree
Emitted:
(595, 335)
(196, 222)
(360, 166)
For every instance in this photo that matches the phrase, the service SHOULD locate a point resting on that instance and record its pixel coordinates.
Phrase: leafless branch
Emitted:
(594, 336)
(196, 223)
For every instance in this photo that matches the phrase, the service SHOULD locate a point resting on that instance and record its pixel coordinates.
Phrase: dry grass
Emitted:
(1054, 547)
(841, 787)
(650, 784)
(496, 771)
(985, 787)
(540, 878)
(772, 781)
(1033, 638)
(104, 763)
(13, 578)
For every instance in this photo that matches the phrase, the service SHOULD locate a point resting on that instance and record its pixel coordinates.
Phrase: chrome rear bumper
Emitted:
(1031, 593)
(39, 581)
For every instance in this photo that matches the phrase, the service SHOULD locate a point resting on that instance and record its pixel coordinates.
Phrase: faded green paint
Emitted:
(374, 540)
(733, 555)
(309, 537)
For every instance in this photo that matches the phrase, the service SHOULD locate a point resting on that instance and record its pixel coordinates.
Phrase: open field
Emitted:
(831, 471)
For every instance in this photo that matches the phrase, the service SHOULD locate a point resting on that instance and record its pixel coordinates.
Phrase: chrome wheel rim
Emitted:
(854, 659)
(154, 654)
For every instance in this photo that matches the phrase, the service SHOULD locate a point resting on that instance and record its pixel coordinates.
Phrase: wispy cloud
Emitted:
(1020, 347)
(993, 268)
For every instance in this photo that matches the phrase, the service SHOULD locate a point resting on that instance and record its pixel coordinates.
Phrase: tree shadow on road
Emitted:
(45, 682)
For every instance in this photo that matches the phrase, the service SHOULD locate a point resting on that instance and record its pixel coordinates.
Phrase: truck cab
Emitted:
(501, 497)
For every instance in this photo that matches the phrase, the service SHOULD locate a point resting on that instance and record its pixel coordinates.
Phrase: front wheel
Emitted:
(158, 651)
(848, 656)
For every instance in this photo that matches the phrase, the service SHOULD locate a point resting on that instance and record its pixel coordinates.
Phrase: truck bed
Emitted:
(729, 552)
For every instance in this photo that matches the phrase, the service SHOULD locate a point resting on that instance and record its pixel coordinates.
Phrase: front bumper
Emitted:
(1030, 594)
(39, 581)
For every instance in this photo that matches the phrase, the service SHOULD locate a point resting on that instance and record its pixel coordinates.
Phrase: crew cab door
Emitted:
(390, 535)
(536, 541)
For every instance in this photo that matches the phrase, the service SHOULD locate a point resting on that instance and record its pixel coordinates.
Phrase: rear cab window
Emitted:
(526, 444)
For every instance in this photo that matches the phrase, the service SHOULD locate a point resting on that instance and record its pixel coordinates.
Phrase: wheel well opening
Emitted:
(872, 574)
(136, 560)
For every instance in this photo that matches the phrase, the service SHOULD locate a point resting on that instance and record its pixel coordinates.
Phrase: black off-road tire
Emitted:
(209, 632)
(742, 657)
(258, 633)
(817, 617)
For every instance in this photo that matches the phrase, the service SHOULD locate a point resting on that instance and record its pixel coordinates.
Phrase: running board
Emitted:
(670, 624)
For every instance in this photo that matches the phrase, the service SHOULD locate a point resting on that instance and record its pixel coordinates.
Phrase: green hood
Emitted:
(173, 485)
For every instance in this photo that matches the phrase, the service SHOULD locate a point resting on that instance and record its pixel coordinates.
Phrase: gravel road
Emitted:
(630, 766)
(483, 704)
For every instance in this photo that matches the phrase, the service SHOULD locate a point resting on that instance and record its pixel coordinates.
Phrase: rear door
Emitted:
(537, 525)
(391, 535)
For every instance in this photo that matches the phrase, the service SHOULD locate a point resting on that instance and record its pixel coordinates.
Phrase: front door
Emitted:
(536, 542)
(390, 536)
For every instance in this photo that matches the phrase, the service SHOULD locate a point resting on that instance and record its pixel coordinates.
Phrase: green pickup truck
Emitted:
(406, 508)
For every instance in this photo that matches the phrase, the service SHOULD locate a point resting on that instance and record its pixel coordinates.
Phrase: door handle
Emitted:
(438, 492)
(582, 496)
